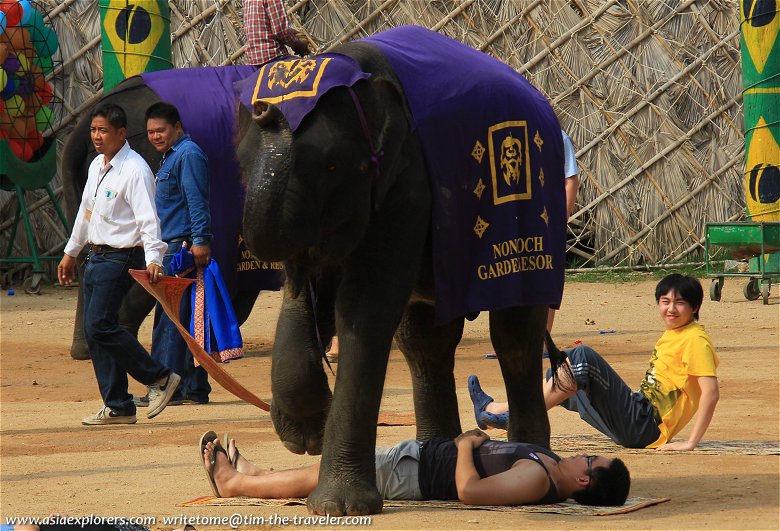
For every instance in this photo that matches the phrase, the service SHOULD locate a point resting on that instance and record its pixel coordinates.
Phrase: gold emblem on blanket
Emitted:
(480, 226)
(478, 151)
(509, 161)
(479, 189)
(284, 80)
(538, 140)
(544, 216)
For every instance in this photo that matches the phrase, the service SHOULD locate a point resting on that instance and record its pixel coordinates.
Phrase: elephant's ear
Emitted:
(244, 121)
(394, 127)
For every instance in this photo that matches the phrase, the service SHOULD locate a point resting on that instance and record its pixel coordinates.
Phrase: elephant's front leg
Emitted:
(301, 396)
(347, 484)
(430, 353)
(374, 291)
(517, 335)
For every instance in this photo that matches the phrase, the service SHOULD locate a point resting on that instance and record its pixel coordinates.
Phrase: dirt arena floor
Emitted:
(51, 463)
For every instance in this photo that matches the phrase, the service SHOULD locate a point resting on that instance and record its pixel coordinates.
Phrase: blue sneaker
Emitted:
(479, 398)
(494, 420)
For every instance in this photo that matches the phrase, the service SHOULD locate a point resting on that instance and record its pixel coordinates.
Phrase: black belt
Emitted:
(185, 241)
(102, 249)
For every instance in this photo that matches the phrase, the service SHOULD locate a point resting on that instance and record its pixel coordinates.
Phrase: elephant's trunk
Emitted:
(280, 218)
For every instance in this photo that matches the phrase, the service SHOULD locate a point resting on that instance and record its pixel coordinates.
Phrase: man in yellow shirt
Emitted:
(680, 382)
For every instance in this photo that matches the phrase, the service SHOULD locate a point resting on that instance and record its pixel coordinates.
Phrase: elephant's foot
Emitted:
(300, 435)
(335, 498)
(79, 350)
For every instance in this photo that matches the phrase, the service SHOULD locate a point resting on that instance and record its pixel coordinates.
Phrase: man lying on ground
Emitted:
(469, 468)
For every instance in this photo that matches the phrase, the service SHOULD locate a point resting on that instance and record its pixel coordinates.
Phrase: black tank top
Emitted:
(439, 457)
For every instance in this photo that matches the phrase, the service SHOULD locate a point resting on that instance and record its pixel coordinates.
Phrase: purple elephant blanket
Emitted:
(493, 149)
(494, 152)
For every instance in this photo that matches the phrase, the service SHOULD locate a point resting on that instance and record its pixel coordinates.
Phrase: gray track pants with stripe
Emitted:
(604, 401)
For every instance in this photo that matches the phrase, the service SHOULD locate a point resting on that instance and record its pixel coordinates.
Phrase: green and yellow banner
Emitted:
(136, 38)
(760, 25)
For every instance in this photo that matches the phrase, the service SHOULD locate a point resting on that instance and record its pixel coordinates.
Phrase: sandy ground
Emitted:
(50, 462)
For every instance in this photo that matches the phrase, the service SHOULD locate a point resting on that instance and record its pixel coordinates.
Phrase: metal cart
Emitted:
(758, 242)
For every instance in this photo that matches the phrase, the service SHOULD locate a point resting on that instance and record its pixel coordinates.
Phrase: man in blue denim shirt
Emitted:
(182, 200)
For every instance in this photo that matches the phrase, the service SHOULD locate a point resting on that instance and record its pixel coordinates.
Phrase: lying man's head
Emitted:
(607, 485)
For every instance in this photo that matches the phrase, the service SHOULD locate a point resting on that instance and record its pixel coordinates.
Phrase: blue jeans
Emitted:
(604, 401)
(170, 349)
(115, 352)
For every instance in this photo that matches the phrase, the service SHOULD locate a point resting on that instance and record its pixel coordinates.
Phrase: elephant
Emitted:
(344, 194)
(209, 102)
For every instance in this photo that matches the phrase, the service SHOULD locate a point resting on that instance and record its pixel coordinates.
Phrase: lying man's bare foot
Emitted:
(224, 475)
(242, 464)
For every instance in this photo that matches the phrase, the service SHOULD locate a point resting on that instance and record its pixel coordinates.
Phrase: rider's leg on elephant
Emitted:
(517, 335)
(430, 353)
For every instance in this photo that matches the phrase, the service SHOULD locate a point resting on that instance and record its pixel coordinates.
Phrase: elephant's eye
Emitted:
(332, 168)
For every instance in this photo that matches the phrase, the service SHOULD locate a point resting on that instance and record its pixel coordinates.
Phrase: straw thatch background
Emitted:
(648, 90)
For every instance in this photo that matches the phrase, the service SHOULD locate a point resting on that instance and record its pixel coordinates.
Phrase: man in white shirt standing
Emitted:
(117, 221)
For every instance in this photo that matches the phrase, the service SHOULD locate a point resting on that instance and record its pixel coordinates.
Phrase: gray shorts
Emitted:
(397, 471)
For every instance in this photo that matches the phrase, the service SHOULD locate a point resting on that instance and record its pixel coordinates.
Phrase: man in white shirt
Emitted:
(117, 221)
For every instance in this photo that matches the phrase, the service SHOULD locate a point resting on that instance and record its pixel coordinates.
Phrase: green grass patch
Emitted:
(613, 275)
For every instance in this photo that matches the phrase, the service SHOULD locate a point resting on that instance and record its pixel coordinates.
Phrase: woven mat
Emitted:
(573, 509)
(603, 446)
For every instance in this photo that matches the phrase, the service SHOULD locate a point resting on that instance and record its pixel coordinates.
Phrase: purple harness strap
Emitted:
(376, 156)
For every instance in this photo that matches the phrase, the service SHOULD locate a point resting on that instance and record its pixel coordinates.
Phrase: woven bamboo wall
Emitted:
(648, 90)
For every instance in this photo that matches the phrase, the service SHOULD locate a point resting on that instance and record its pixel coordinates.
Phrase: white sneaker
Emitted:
(160, 393)
(106, 416)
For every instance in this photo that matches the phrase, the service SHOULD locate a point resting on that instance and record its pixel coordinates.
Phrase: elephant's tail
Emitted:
(565, 379)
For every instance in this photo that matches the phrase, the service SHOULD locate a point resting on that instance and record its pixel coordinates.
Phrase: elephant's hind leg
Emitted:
(430, 353)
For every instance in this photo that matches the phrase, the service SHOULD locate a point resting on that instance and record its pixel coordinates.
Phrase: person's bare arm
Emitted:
(571, 184)
(516, 486)
(707, 402)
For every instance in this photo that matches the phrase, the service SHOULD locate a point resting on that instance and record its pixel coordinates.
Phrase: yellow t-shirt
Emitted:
(679, 357)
